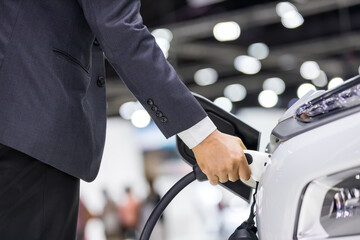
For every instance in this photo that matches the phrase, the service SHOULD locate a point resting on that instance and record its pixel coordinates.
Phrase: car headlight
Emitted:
(344, 97)
(330, 207)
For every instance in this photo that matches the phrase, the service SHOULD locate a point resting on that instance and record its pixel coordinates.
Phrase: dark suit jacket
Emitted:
(52, 94)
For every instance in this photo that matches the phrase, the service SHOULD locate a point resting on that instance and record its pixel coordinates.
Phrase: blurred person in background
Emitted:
(53, 107)
(110, 218)
(129, 213)
(84, 216)
(147, 207)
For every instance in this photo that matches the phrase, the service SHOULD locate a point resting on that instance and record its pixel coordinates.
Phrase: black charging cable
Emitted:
(168, 197)
(247, 230)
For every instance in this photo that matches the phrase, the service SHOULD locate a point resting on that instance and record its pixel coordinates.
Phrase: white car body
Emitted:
(296, 161)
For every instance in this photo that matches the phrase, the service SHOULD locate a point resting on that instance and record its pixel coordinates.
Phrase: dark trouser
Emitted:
(37, 201)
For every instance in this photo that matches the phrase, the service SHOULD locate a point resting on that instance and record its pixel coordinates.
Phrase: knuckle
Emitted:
(233, 179)
(232, 155)
(234, 176)
(213, 182)
(236, 155)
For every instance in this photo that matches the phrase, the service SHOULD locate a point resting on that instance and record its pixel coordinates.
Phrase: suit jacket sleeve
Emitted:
(132, 51)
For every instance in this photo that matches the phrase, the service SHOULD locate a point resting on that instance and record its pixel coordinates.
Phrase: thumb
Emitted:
(242, 144)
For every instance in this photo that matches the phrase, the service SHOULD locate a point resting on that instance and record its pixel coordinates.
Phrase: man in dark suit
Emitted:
(53, 113)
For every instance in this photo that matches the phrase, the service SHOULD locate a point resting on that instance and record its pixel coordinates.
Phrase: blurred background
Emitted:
(253, 58)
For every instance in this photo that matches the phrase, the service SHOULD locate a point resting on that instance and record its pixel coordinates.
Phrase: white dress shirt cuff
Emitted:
(197, 133)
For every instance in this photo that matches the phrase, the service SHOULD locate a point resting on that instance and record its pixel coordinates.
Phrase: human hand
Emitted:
(221, 157)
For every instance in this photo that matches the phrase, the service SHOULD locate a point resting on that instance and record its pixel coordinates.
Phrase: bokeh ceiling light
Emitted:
(335, 82)
(246, 64)
(285, 7)
(140, 118)
(304, 88)
(321, 80)
(164, 45)
(226, 31)
(235, 92)
(310, 70)
(292, 20)
(163, 33)
(224, 103)
(258, 50)
(127, 109)
(206, 76)
(268, 98)
(275, 84)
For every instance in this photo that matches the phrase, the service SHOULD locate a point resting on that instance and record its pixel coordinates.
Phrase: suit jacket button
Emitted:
(100, 82)
(154, 108)
(159, 114)
(150, 102)
(163, 119)
(96, 42)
